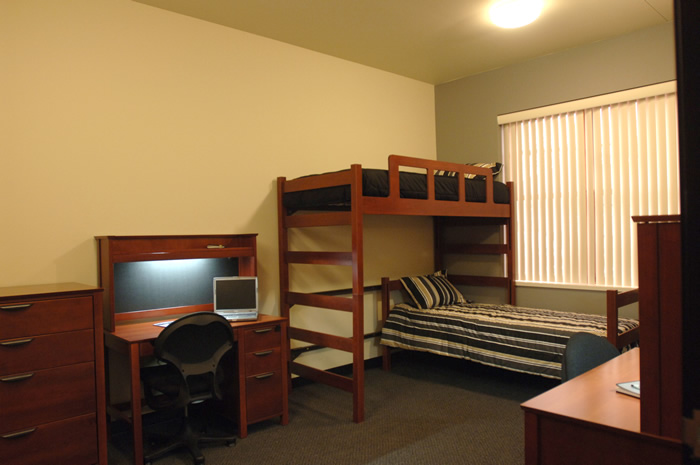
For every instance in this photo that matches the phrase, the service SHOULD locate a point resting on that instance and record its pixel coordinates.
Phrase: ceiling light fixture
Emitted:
(515, 13)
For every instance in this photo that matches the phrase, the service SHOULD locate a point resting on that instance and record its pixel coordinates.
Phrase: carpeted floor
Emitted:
(427, 410)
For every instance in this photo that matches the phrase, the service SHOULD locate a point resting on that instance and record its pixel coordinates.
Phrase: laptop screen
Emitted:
(236, 294)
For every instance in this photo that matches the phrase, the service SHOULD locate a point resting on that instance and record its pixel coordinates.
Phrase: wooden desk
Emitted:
(584, 421)
(261, 364)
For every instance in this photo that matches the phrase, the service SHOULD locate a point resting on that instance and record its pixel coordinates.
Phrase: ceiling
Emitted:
(434, 41)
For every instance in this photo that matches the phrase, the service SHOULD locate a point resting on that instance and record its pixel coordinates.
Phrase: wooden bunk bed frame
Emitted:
(446, 212)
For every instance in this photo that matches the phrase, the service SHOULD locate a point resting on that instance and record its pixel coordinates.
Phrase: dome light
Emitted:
(515, 13)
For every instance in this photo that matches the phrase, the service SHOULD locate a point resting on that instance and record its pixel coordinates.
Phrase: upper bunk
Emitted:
(410, 186)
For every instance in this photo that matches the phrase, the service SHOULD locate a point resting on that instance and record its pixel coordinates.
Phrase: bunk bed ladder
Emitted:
(354, 304)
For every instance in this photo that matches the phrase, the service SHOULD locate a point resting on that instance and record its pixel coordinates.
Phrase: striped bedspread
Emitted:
(521, 339)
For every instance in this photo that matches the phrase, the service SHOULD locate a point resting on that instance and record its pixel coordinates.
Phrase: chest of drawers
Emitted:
(263, 371)
(52, 389)
(260, 391)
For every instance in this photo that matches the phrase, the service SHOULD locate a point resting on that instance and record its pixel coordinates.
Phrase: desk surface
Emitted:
(591, 397)
(148, 331)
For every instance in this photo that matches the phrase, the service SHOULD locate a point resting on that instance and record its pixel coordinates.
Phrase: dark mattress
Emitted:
(375, 183)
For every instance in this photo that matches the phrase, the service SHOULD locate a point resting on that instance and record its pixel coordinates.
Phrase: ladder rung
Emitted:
(320, 301)
(318, 219)
(476, 249)
(320, 258)
(321, 339)
(323, 377)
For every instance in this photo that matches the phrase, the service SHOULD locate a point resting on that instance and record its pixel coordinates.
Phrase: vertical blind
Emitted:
(581, 170)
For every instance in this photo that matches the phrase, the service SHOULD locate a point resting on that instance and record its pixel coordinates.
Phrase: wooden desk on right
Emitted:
(585, 421)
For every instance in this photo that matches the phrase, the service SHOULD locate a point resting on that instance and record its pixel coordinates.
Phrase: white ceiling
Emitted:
(434, 41)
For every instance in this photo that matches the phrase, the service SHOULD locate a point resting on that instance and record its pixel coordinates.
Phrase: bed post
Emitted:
(283, 245)
(510, 250)
(386, 350)
(358, 314)
(437, 243)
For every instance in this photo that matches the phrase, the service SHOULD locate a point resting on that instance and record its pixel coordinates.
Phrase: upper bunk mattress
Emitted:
(375, 183)
(520, 339)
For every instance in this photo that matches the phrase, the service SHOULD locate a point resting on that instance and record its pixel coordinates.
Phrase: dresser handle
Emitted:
(15, 307)
(263, 353)
(263, 330)
(12, 379)
(265, 375)
(216, 246)
(18, 434)
(16, 342)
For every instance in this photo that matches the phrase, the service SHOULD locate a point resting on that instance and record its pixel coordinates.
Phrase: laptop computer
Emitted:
(236, 297)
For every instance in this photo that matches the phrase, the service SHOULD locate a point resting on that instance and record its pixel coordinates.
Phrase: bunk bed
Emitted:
(451, 193)
(434, 317)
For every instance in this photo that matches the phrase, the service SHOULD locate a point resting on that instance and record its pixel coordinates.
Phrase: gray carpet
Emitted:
(427, 410)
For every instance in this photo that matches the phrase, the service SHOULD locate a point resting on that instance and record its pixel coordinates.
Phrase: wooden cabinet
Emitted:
(261, 388)
(660, 329)
(264, 376)
(52, 391)
(156, 276)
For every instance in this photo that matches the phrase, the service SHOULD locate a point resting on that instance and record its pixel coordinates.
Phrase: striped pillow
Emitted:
(495, 169)
(433, 290)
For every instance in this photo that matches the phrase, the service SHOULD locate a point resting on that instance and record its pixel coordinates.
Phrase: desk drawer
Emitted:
(265, 337)
(49, 351)
(32, 318)
(46, 395)
(264, 396)
(72, 441)
(263, 361)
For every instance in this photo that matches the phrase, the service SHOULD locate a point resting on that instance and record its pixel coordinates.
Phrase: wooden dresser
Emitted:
(52, 384)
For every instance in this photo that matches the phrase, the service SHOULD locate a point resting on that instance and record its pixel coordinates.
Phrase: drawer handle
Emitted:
(263, 353)
(10, 308)
(13, 379)
(216, 246)
(19, 434)
(265, 375)
(263, 330)
(16, 342)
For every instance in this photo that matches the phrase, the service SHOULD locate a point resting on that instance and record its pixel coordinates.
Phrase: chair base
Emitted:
(187, 438)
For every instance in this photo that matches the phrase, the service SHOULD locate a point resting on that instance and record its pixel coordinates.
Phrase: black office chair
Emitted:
(583, 352)
(189, 350)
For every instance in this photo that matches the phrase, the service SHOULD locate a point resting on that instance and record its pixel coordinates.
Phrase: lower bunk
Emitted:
(439, 320)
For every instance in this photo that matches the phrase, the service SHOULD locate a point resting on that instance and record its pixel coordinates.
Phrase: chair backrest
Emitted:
(585, 351)
(194, 344)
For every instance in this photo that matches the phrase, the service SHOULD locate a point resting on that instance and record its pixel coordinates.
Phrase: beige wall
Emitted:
(123, 119)
(466, 110)
(120, 118)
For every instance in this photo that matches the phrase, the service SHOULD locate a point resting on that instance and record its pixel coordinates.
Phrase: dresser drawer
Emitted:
(263, 361)
(266, 337)
(32, 318)
(46, 395)
(72, 441)
(49, 351)
(264, 396)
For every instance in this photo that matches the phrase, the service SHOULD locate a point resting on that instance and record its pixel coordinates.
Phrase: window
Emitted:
(581, 170)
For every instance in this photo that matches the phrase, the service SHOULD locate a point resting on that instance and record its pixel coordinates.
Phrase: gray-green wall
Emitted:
(466, 110)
